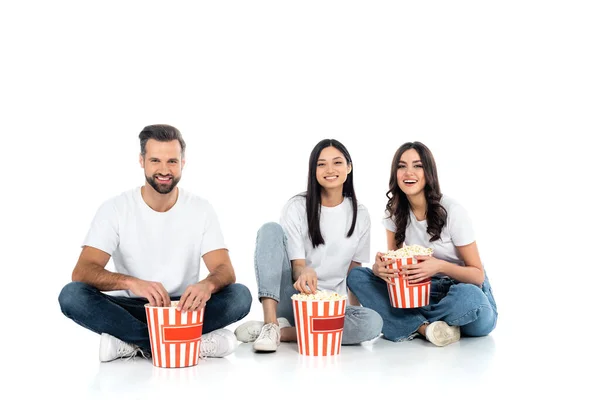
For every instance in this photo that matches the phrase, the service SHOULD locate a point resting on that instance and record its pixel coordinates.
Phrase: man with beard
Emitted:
(157, 235)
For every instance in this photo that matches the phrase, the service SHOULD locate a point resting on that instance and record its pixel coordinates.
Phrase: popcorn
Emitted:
(319, 295)
(409, 251)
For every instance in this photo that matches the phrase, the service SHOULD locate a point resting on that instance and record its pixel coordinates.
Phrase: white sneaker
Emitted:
(112, 348)
(249, 331)
(216, 344)
(442, 334)
(268, 339)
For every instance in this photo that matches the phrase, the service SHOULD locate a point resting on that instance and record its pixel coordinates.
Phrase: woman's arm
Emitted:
(352, 299)
(472, 272)
(305, 278)
(391, 240)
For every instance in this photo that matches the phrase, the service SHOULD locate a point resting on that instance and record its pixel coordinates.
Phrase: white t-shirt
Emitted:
(458, 231)
(332, 259)
(165, 247)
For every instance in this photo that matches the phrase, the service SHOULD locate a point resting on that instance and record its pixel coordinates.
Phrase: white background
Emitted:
(505, 94)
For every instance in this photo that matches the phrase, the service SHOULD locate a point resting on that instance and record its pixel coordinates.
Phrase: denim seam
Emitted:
(467, 313)
(269, 295)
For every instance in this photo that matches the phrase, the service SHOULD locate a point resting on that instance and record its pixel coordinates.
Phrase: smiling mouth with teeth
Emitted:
(410, 181)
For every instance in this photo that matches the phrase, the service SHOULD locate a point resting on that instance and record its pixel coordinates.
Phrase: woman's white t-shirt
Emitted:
(332, 259)
(458, 231)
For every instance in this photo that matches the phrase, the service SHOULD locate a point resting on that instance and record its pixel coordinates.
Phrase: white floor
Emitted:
(504, 363)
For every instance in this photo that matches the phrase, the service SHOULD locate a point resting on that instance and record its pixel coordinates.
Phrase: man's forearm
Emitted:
(100, 278)
(221, 276)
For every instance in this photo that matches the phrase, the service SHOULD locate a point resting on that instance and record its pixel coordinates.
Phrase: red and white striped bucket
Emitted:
(319, 326)
(174, 336)
(404, 294)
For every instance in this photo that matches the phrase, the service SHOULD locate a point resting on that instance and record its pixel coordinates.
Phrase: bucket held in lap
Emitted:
(403, 294)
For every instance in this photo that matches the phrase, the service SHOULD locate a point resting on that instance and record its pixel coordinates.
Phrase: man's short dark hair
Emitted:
(162, 133)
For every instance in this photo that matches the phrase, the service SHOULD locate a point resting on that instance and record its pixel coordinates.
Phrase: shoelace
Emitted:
(208, 346)
(269, 331)
(129, 352)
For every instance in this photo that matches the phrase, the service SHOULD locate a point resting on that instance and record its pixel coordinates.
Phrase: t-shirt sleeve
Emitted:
(460, 226)
(291, 221)
(212, 237)
(388, 223)
(362, 254)
(104, 230)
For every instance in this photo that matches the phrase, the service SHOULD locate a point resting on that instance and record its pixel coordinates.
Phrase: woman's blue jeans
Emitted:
(459, 304)
(274, 278)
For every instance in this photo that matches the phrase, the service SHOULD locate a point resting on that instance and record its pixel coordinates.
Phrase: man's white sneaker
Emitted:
(112, 348)
(268, 339)
(248, 331)
(442, 334)
(216, 344)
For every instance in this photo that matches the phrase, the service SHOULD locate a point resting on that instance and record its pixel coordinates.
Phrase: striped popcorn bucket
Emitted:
(174, 336)
(407, 295)
(319, 326)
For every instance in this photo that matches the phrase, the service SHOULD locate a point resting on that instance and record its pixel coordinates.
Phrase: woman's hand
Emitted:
(307, 281)
(380, 270)
(426, 267)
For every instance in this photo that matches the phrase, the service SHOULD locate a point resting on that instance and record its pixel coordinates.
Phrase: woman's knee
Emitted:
(365, 324)
(469, 294)
(270, 230)
(483, 325)
(358, 276)
(374, 322)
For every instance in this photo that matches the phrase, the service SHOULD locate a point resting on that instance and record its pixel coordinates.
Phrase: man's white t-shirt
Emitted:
(332, 259)
(165, 247)
(458, 231)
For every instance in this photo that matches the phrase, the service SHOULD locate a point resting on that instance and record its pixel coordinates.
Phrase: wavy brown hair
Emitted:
(398, 205)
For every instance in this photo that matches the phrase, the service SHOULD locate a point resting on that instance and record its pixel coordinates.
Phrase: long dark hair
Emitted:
(398, 206)
(313, 192)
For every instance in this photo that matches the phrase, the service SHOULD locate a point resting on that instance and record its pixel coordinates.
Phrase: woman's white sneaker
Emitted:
(249, 331)
(441, 334)
(268, 339)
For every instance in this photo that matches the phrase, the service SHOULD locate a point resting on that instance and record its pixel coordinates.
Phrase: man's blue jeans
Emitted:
(274, 277)
(125, 317)
(459, 304)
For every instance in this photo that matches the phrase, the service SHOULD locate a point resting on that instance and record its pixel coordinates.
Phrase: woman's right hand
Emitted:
(307, 281)
(380, 270)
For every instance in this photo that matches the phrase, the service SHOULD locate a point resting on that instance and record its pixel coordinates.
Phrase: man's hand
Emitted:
(155, 292)
(308, 276)
(194, 297)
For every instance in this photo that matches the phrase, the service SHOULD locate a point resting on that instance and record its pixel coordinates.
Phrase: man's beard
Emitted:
(162, 188)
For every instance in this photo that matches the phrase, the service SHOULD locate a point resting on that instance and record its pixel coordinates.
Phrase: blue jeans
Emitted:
(459, 304)
(274, 278)
(125, 317)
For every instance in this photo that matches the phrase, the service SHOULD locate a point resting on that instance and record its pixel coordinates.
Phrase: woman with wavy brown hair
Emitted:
(417, 213)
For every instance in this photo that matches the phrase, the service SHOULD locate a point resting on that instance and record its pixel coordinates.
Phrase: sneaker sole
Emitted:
(264, 349)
